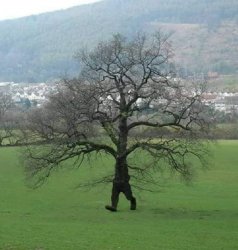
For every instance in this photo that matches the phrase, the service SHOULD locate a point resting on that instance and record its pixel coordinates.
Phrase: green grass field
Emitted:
(57, 216)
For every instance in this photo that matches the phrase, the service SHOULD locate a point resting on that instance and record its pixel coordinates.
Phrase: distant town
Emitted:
(30, 94)
(35, 94)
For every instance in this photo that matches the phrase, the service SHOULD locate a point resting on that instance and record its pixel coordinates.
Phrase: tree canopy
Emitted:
(125, 88)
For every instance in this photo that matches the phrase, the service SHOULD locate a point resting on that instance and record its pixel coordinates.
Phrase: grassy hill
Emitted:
(58, 216)
(41, 47)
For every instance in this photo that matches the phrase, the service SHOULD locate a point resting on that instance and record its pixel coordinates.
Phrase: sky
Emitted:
(10, 9)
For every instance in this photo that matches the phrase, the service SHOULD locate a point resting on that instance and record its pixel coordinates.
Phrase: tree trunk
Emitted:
(121, 184)
(122, 177)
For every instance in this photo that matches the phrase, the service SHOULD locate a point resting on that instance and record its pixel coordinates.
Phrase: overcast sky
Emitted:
(18, 8)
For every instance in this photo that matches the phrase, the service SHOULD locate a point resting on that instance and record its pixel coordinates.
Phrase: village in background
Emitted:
(26, 95)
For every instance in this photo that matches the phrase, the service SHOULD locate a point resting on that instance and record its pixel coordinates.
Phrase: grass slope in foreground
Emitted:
(57, 216)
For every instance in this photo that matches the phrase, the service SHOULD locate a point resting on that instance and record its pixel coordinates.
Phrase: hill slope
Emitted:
(41, 47)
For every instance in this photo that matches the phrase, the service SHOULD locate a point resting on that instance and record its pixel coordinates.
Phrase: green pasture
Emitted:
(58, 216)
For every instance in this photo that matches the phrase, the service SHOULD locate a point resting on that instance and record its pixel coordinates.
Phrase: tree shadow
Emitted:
(182, 213)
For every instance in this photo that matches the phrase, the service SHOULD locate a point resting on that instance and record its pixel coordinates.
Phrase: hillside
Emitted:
(41, 47)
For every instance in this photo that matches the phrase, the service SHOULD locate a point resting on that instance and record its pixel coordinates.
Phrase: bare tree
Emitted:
(7, 120)
(124, 88)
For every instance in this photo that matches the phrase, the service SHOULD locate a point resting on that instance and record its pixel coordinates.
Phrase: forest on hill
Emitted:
(41, 47)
